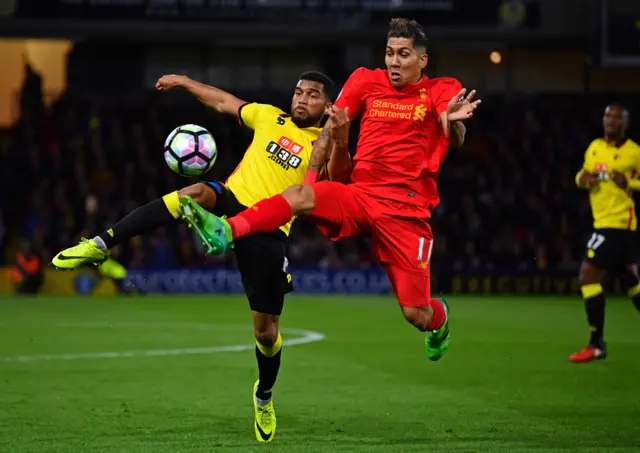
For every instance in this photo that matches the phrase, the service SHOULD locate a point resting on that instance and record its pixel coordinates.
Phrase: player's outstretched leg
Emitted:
(158, 213)
(213, 231)
(218, 234)
(594, 302)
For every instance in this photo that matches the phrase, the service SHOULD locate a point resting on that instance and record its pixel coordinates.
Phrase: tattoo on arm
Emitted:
(320, 150)
(457, 132)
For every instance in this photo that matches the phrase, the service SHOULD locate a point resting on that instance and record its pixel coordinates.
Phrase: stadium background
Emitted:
(82, 122)
(80, 146)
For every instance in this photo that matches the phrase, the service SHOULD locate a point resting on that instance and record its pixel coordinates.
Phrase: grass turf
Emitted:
(505, 386)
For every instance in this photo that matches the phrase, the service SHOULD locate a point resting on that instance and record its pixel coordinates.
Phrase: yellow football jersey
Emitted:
(277, 158)
(612, 207)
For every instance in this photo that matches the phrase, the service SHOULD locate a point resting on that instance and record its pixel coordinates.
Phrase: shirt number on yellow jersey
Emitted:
(282, 157)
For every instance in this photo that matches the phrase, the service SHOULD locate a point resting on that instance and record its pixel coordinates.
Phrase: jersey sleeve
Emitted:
(352, 94)
(253, 114)
(637, 165)
(446, 89)
(633, 181)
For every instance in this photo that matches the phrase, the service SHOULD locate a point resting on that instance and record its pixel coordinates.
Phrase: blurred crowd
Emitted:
(73, 168)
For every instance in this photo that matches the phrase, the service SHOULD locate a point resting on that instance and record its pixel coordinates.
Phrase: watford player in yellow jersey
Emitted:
(277, 158)
(609, 172)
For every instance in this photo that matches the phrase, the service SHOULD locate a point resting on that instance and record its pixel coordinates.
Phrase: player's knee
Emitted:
(201, 193)
(301, 198)
(589, 274)
(266, 334)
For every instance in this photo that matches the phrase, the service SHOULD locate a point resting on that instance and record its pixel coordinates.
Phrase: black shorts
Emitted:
(263, 259)
(611, 249)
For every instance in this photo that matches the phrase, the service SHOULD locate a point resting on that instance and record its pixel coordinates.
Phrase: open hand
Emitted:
(461, 108)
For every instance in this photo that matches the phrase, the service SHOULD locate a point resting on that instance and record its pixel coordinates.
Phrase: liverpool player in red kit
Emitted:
(388, 192)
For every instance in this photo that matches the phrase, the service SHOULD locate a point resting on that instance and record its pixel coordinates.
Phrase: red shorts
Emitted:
(401, 237)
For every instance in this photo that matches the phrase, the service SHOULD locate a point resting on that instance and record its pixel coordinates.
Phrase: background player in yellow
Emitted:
(277, 158)
(609, 172)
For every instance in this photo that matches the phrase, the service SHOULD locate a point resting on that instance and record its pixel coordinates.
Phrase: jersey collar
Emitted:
(411, 86)
(618, 144)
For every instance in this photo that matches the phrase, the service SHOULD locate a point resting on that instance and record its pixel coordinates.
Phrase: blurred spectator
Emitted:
(26, 273)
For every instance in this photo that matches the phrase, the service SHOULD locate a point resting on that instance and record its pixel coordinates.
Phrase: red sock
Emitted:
(266, 215)
(439, 315)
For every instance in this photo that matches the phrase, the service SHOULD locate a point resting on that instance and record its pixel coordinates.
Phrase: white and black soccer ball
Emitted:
(190, 150)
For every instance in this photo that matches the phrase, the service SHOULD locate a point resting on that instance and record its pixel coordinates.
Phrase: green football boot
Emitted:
(213, 231)
(437, 341)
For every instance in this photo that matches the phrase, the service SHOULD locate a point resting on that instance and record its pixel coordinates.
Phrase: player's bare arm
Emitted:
(458, 134)
(460, 108)
(339, 166)
(320, 151)
(217, 99)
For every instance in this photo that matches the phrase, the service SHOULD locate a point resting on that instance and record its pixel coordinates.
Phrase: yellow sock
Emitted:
(591, 290)
(270, 351)
(172, 202)
(634, 291)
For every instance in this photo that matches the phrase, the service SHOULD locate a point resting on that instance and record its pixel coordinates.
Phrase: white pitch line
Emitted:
(306, 336)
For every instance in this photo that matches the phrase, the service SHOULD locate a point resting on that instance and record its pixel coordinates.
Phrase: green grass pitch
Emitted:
(505, 386)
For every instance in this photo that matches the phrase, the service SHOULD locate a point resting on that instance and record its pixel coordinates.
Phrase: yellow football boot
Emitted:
(265, 423)
(85, 252)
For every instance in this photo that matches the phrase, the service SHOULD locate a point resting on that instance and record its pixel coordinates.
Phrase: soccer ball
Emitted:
(190, 150)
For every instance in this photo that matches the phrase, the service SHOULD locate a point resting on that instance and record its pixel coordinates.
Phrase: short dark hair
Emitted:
(316, 76)
(401, 27)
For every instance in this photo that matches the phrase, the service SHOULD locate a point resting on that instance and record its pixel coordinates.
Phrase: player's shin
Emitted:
(153, 215)
(595, 306)
(264, 216)
(268, 357)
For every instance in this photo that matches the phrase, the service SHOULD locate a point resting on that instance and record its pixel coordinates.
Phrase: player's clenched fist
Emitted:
(587, 179)
(339, 125)
(169, 82)
(619, 179)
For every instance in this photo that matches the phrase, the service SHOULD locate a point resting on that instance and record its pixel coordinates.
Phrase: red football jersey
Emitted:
(401, 143)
